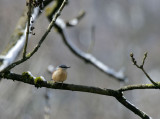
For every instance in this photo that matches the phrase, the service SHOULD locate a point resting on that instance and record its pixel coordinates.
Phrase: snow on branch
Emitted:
(39, 82)
(89, 58)
(10, 54)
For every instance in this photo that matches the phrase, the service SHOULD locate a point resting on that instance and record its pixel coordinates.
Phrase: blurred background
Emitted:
(121, 27)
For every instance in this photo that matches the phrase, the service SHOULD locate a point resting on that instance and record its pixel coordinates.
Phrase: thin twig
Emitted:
(40, 42)
(28, 26)
(144, 58)
(142, 67)
(13, 49)
(149, 77)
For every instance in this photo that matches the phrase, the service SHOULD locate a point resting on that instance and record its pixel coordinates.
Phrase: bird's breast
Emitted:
(59, 75)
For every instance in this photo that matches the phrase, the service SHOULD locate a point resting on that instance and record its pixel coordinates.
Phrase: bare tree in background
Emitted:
(19, 43)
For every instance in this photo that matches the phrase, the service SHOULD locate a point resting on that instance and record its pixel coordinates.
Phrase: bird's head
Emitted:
(63, 66)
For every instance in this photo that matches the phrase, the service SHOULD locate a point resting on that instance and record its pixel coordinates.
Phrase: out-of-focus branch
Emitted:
(41, 40)
(13, 49)
(92, 41)
(75, 21)
(17, 41)
(91, 59)
(50, 11)
(61, 26)
(47, 107)
(38, 82)
(142, 67)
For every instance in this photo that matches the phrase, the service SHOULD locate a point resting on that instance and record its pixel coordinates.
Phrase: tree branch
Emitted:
(28, 25)
(142, 67)
(139, 86)
(39, 82)
(13, 49)
(40, 42)
(132, 107)
(61, 26)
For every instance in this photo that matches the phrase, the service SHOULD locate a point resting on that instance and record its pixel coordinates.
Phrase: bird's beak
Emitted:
(68, 67)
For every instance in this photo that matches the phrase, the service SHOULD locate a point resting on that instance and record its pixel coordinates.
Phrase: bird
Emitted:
(60, 74)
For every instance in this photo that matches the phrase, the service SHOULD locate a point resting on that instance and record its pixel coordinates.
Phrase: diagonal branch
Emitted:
(90, 58)
(132, 107)
(61, 26)
(142, 67)
(12, 51)
(40, 42)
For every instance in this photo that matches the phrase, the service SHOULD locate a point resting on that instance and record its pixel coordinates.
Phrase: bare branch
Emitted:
(90, 58)
(139, 86)
(12, 51)
(28, 25)
(144, 58)
(19, 35)
(39, 82)
(132, 107)
(142, 67)
(61, 26)
(40, 42)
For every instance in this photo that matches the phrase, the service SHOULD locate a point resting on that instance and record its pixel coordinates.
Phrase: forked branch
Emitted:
(142, 67)
(41, 40)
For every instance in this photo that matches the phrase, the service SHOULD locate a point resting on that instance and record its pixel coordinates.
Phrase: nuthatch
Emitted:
(60, 74)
